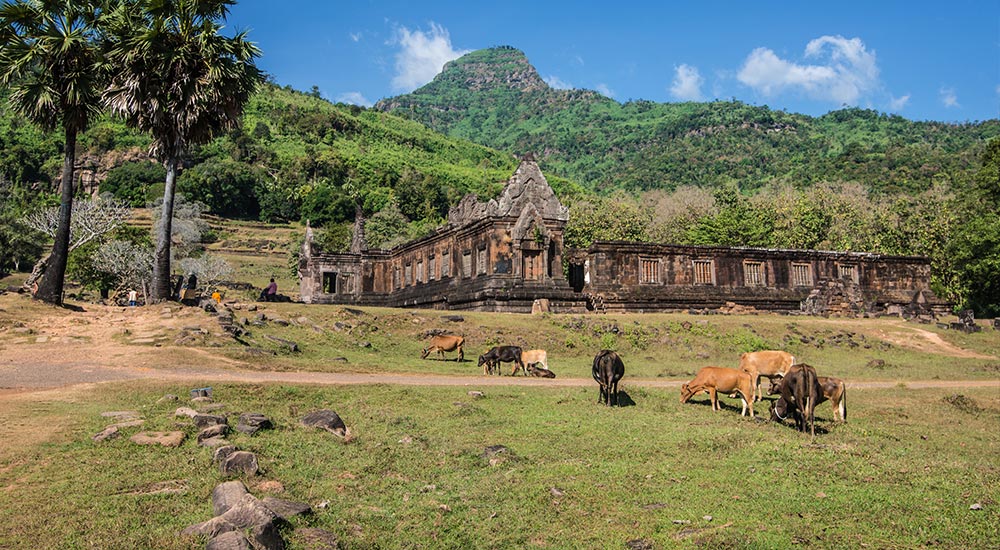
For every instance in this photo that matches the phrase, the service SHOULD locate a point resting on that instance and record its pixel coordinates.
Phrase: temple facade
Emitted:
(507, 254)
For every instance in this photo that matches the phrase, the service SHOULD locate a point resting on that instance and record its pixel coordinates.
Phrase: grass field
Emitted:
(902, 473)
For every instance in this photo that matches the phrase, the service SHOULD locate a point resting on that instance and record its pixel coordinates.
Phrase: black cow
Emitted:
(608, 370)
(800, 393)
(491, 360)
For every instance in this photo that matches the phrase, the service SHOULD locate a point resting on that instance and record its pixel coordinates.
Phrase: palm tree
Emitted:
(173, 75)
(49, 59)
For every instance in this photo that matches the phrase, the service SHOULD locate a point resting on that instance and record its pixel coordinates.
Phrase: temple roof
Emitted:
(527, 186)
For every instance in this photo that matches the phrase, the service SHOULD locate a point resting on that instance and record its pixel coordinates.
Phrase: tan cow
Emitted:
(445, 342)
(535, 356)
(713, 380)
(765, 363)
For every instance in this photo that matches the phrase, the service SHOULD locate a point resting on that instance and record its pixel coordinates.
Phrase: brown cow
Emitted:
(712, 380)
(800, 392)
(834, 390)
(534, 356)
(445, 342)
(765, 363)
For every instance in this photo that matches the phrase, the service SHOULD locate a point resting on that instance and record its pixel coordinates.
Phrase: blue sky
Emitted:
(921, 60)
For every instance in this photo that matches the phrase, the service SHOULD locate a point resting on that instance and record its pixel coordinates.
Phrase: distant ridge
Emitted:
(495, 97)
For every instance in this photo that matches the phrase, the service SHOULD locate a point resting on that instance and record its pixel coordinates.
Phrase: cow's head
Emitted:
(775, 388)
(423, 354)
(482, 359)
(685, 392)
(779, 410)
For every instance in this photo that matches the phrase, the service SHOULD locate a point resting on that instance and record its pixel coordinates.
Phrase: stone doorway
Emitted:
(533, 268)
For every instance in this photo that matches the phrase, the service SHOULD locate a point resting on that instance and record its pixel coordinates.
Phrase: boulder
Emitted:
(251, 423)
(214, 442)
(251, 514)
(325, 419)
(286, 509)
(240, 462)
(226, 495)
(111, 432)
(232, 540)
(211, 528)
(206, 420)
(167, 439)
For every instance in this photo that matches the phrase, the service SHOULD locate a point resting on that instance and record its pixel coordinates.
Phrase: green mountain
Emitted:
(496, 98)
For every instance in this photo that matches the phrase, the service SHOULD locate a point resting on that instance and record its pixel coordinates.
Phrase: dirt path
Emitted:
(97, 346)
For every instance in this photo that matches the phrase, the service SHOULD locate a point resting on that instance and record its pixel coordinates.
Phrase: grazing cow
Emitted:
(834, 390)
(445, 342)
(540, 372)
(713, 380)
(491, 360)
(765, 363)
(800, 392)
(608, 369)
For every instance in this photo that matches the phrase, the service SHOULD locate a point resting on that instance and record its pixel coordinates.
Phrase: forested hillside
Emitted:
(496, 98)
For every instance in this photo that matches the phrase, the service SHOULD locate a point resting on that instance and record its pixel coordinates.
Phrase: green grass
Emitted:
(671, 346)
(901, 474)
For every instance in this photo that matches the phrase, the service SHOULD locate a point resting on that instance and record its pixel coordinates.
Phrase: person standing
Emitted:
(132, 298)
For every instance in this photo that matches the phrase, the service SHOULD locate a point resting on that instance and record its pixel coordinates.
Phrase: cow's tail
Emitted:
(843, 403)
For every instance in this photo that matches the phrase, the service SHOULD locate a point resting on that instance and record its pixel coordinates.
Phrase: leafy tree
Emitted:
(227, 187)
(333, 238)
(180, 80)
(135, 182)
(210, 269)
(386, 228)
(612, 219)
(129, 265)
(187, 228)
(21, 244)
(738, 222)
(975, 245)
(50, 59)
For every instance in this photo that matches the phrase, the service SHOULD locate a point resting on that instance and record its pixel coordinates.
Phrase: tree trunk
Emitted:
(161, 263)
(51, 288)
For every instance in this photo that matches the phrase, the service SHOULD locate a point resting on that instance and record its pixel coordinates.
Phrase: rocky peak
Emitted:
(501, 67)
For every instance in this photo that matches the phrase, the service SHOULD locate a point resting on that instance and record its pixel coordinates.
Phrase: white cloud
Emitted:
(354, 98)
(355, 36)
(556, 82)
(948, 97)
(604, 90)
(898, 103)
(422, 56)
(846, 71)
(687, 83)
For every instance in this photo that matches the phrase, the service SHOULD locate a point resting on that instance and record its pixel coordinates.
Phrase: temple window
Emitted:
(704, 272)
(753, 273)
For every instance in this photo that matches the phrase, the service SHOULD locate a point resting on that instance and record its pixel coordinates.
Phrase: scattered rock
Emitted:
(682, 522)
(186, 411)
(316, 539)
(206, 420)
(216, 430)
(240, 462)
(251, 423)
(286, 509)
(639, 544)
(976, 506)
(453, 318)
(476, 394)
(111, 432)
(325, 419)
(214, 442)
(222, 453)
(167, 398)
(167, 439)
(353, 311)
(226, 495)
(556, 492)
(122, 415)
(286, 344)
(494, 450)
(249, 515)
(707, 518)
(232, 540)
(406, 440)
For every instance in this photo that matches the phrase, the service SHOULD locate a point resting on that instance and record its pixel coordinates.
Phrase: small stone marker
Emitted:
(167, 439)
(186, 411)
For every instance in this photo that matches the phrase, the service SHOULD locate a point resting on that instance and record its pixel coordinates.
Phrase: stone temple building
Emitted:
(507, 254)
